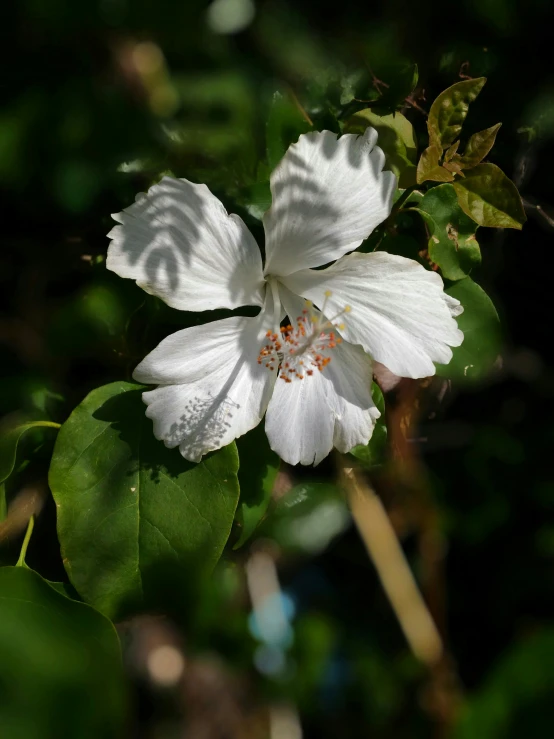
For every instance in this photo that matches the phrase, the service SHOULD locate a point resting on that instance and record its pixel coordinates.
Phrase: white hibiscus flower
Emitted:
(312, 380)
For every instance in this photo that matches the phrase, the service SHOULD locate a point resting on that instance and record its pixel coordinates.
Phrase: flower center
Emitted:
(298, 351)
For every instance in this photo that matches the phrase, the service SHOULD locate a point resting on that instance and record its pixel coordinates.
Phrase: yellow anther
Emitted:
(328, 293)
(341, 326)
(347, 309)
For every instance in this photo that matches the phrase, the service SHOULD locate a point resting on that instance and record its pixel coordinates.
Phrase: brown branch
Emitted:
(392, 567)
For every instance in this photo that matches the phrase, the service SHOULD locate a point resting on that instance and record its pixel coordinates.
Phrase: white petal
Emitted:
(328, 195)
(178, 242)
(400, 313)
(454, 305)
(350, 376)
(333, 408)
(299, 424)
(212, 389)
(292, 304)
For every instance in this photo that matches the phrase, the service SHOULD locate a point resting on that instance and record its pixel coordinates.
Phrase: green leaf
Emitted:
(257, 199)
(284, 125)
(372, 453)
(126, 504)
(481, 327)
(9, 442)
(490, 198)
(401, 79)
(354, 85)
(396, 139)
(521, 684)
(65, 589)
(452, 245)
(449, 111)
(428, 167)
(61, 664)
(258, 469)
(307, 518)
(478, 147)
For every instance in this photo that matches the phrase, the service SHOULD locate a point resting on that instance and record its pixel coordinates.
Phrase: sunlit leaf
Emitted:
(449, 111)
(126, 504)
(478, 147)
(453, 167)
(61, 664)
(396, 139)
(449, 153)
(452, 243)
(490, 198)
(482, 339)
(428, 167)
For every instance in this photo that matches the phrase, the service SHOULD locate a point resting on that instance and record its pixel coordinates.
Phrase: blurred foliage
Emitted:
(101, 99)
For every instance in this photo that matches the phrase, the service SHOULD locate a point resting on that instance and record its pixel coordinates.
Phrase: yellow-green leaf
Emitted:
(449, 111)
(453, 167)
(451, 151)
(396, 139)
(490, 198)
(478, 147)
(428, 167)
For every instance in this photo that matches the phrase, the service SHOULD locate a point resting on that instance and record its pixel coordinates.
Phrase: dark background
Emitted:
(78, 102)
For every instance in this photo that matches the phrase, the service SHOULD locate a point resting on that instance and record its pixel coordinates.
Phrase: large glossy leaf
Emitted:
(452, 244)
(396, 139)
(126, 504)
(482, 339)
(490, 198)
(61, 670)
(258, 469)
(449, 111)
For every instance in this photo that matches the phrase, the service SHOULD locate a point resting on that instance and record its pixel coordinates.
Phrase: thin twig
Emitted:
(300, 107)
(540, 211)
(392, 567)
(30, 526)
